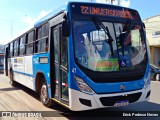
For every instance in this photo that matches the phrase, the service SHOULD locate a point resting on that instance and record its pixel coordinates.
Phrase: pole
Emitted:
(11, 28)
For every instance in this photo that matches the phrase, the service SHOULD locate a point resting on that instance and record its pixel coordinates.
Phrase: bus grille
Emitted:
(110, 101)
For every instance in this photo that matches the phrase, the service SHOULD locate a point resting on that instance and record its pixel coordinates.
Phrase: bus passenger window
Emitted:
(45, 30)
(30, 43)
(39, 33)
(16, 47)
(42, 39)
(22, 46)
(29, 48)
(42, 45)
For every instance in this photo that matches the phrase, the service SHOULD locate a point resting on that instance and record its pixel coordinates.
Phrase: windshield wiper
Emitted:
(106, 30)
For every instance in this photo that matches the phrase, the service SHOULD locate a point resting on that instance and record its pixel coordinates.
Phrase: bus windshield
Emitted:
(105, 46)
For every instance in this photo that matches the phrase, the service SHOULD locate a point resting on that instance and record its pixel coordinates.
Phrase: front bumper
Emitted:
(81, 101)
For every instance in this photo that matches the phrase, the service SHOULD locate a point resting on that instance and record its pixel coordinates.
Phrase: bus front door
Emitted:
(60, 58)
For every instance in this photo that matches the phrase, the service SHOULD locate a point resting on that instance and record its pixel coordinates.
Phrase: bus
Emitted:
(1, 62)
(83, 56)
(1, 58)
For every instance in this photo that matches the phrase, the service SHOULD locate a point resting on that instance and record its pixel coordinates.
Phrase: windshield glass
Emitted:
(108, 46)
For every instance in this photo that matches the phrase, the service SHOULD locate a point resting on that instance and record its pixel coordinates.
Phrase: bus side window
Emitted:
(42, 45)
(30, 43)
(16, 47)
(42, 39)
(22, 45)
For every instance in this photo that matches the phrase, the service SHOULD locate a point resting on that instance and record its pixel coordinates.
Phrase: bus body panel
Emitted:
(115, 87)
(107, 87)
(30, 81)
(23, 71)
(41, 65)
(95, 101)
(26, 68)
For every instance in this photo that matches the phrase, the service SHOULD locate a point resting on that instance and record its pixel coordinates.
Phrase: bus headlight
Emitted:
(147, 81)
(83, 86)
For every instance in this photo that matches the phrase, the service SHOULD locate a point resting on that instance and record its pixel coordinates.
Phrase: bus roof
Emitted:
(50, 15)
(64, 8)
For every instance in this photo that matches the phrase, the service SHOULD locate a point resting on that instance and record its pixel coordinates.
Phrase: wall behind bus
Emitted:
(153, 36)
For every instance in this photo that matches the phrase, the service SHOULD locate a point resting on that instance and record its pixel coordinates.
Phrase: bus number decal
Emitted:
(84, 9)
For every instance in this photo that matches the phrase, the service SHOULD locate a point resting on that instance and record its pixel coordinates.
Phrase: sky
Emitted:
(17, 16)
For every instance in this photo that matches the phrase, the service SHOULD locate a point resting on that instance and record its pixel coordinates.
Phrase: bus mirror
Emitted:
(144, 26)
(65, 29)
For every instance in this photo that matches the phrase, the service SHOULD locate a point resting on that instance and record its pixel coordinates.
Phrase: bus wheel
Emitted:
(12, 82)
(46, 101)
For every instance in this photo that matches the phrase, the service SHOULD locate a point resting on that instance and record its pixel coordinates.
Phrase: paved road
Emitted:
(24, 99)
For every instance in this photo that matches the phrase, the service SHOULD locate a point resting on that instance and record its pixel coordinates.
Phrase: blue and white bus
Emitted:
(1, 58)
(1, 62)
(84, 56)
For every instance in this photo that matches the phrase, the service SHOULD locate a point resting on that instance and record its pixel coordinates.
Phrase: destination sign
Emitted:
(104, 10)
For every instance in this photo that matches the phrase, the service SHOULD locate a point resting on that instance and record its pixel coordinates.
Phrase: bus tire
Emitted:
(12, 82)
(46, 101)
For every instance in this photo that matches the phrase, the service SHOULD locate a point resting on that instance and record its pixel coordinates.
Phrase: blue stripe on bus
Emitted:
(108, 88)
(26, 74)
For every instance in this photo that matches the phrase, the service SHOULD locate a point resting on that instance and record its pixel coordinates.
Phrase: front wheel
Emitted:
(46, 101)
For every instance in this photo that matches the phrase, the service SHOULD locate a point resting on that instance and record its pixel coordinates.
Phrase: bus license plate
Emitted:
(121, 103)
